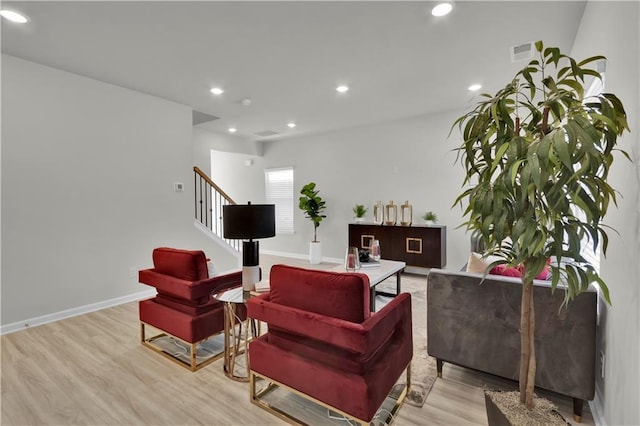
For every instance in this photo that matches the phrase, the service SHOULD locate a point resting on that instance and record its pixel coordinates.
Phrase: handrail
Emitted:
(209, 200)
(204, 176)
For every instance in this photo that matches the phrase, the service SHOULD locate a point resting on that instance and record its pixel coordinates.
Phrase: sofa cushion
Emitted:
(334, 294)
(478, 264)
(188, 265)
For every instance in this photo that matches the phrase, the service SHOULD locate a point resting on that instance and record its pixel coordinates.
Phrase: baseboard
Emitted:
(597, 411)
(56, 316)
(418, 270)
(299, 256)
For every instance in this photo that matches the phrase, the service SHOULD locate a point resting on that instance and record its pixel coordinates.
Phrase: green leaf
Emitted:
(498, 156)
(538, 45)
(562, 149)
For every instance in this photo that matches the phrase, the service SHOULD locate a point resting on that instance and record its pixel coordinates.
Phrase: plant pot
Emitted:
(359, 219)
(544, 411)
(315, 252)
(495, 417)
(429, 222)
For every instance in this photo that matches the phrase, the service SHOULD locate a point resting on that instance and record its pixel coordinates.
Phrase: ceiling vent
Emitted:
(198, 117)
(522, 52)
(266, 133)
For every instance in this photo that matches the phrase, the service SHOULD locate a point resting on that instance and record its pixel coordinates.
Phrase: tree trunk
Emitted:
(527, 348)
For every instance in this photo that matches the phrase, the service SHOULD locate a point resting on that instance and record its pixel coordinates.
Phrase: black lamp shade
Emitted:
(249, 221)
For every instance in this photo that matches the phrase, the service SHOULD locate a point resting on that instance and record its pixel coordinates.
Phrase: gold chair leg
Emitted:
(192, 364)
(255, 398)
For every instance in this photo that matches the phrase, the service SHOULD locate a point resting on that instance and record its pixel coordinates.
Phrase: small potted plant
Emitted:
(430, 218)
(313, 206)
(359, 211)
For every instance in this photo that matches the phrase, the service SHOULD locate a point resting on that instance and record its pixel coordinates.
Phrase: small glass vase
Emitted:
(374, 250)
(352, 259)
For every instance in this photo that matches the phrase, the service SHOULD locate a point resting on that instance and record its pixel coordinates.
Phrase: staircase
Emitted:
(209, 199)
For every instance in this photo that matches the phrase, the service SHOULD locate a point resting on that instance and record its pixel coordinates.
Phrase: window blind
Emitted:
(279, 191)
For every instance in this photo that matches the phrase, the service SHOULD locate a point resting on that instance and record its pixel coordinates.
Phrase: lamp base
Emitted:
(250, 265)
(250, 276)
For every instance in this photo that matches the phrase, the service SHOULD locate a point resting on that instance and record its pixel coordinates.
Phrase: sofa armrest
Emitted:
(355, 337)
(189, 290)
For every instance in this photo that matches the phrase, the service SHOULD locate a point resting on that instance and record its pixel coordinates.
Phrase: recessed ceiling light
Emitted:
(232, 129)
(14, 16)
(475, 87)
(442, 8)
(342, 89)
(217, 91)
(291, 125)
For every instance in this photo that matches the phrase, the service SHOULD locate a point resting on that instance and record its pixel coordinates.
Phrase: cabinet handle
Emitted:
(366, 240)
(414, 245)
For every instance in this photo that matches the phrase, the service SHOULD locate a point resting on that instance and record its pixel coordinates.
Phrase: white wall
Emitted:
(205, 141)
(619, 332)
(87, 189)
(409, 159)
(241, 182)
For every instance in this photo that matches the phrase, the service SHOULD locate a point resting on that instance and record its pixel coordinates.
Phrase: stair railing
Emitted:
(209, 199)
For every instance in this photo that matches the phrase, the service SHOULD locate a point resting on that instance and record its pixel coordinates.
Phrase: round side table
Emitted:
(235, 340)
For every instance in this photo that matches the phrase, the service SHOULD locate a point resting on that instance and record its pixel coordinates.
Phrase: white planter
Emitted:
(359, 219)
(429, 222)
(315, 253)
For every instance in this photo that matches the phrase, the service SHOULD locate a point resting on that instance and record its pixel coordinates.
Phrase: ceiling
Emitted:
(287, 57)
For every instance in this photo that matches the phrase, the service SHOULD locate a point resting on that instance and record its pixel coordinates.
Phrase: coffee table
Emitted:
(378, 274)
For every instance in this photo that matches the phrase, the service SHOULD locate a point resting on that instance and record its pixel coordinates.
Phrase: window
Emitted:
(594, 87)
(279, 191)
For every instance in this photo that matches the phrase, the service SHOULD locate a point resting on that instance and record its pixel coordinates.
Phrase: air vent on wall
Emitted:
(522, 52)
(266, 133)
(198, 117)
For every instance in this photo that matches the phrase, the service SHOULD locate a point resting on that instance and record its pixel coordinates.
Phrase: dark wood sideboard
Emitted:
(418, 245)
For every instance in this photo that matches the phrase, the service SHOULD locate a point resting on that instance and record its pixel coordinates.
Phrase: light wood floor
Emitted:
(92, 370)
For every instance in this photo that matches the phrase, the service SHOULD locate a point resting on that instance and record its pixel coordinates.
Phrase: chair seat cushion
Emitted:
(187, 306)
(187, 327)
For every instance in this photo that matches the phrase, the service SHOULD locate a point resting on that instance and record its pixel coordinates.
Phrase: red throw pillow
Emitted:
(506, 271)
(545, 274)
(517, 271)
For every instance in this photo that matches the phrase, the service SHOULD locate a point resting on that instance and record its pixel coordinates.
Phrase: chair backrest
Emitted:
(334, 294)
(189, 265)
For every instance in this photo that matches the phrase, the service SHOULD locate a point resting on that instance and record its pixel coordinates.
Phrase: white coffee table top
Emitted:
(377, 274)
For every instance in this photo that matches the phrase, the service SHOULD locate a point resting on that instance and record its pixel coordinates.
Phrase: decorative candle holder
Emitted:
(406, 214)
(378, 213)
(390, 213)
(352, 259)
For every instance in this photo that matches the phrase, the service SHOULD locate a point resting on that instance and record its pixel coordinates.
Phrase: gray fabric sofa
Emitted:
(476, 325)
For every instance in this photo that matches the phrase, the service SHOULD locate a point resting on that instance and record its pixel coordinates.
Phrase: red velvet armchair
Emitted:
(183, 307)
(324, 344)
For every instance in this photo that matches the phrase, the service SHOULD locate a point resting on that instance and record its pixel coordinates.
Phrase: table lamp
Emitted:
(249, 222)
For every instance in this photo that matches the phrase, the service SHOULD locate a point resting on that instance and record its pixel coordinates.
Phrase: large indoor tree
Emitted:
(537, 156)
